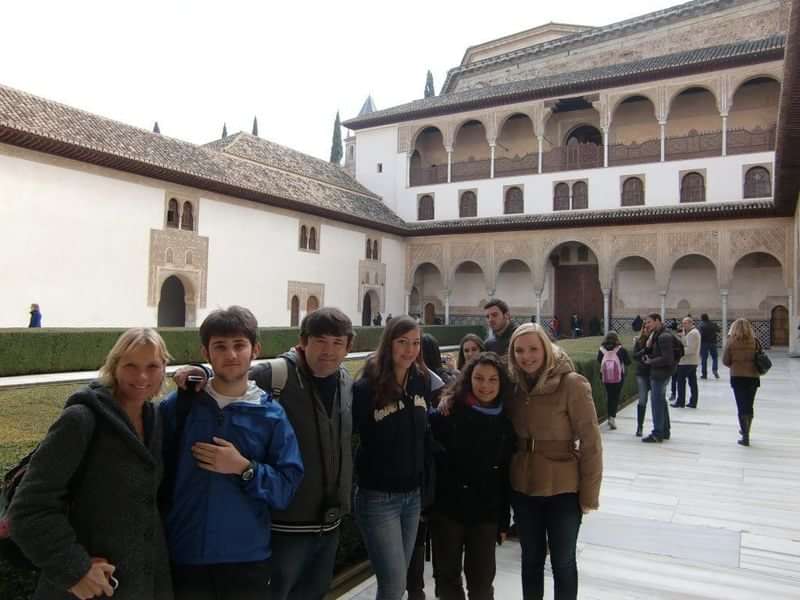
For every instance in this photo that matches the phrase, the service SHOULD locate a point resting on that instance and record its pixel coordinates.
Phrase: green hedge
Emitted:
(28, 351)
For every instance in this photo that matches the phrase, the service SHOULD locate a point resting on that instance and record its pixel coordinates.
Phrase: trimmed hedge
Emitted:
(46, 350)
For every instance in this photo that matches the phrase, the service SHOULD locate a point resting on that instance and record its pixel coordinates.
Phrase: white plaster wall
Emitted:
(394, 255)
(693, 280)
(724, 183)
(743, 295)
(77, 243)
(379, 145)
(635, 285)
(515, 285)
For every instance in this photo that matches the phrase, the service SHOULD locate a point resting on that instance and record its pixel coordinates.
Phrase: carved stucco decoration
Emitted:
(421, 254)
(303, 290)
(183, 254)
(740, 76)
(681, 243)
(773, 241)
(461, 252)
(643, 245)
(652, 94)
(712, 84)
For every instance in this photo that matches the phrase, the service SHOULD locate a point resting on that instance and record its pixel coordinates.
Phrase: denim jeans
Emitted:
(687, 373)
(705, 350)
(544, 521)
(388, 522)
(302, 565)
(659, 407)
(643, 382)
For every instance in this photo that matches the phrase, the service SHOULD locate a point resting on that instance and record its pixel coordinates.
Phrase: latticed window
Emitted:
(757, 183)
(513, 204)
(561, 197)
(693, 188)
(369, 248)
(172, 213)
(425, 209)
(187, 218)
(633, 192)
(468, 205)
(312, 239)
(303, 238)
(580, 195)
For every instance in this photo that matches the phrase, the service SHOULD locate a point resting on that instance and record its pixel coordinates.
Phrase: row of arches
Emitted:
(312, 304)
(571, 136)
(180, 216)
(372, 250)
(308, 238)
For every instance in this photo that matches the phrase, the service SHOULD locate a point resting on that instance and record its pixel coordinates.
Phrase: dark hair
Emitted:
(704, 317)
(463, 386)
(234, 320)
(431, 355)
(326, 321)
(470, 337)
(379, 369)
(611, 340)
(501, 304)
(654, 316)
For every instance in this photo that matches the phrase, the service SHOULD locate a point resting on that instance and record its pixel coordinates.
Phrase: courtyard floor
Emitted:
(696, 517)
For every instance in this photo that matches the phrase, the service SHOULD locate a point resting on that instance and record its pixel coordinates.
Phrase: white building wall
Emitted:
(379, 145)
(394, 255)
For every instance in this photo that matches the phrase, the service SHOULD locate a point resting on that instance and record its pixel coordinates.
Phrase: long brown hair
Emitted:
(379, 370)
(470, 337)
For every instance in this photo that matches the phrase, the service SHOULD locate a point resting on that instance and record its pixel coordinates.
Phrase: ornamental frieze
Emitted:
(771, 241)
(693, 242)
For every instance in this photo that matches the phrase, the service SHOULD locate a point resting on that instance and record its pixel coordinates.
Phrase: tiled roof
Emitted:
(265, 152)
(594, 218)
(769, 48)
(595, 35)
(295, 181)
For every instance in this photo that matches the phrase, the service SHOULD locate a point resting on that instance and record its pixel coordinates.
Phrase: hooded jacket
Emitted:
(93, 457)
(549, 418)
(215, 518)
(334, 443)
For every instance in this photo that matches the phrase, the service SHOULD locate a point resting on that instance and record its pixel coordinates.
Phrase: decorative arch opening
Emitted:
(693, 187)
(634, 135)
(561, 196)
(303, 237)
(468, 284)
(312, 238)
(632, 192)
(425, 210)
(580, 195)
(693, 278)
(693, 128)
(576, 286)
(375, 254)
(514, 202)
(172, 303)
(468, 204)
(757, 183)
(756, 267)
(516, 148)
(187, 217)
(514, 284)
(471, 152)
(753, 116)
(634, 287)
(369, 248)
(294, 316)
(428, 162)
(312, 304)
(370, 305)
(173, 218)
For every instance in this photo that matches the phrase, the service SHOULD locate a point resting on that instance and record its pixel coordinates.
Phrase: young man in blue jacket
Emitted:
(235, 460)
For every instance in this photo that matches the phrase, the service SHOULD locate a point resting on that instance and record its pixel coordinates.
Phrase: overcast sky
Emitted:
(193, 65)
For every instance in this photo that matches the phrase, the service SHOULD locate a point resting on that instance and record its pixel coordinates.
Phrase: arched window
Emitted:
(169, 258)
(312, 239)
(172, 213)
(189, 257)
(312, 304)
(633, 192)
(375, 249)
(468, 205)
(757, 183)
(561, 197)
(693, 188)
(369, 248)
(513, 203)
(580, 195)
(303, 238)
(294, 319)
(425, 209)
(187, 218)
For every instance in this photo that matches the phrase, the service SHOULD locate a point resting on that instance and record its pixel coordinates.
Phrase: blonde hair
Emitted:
(137, 336)
(742, 331)
(547, 346)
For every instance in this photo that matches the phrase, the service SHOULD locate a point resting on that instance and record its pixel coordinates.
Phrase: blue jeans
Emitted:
(302, 565)
(544, 521)
(659, 407)
(643, 382)
(388, 522)
(705, 350)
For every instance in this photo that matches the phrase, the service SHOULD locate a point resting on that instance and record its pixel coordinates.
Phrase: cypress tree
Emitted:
(255, 126)
(336, 145)
(156, 128)
(429, 89)
(224, 130)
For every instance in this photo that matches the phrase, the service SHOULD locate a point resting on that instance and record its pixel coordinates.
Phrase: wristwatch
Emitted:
(249, 472)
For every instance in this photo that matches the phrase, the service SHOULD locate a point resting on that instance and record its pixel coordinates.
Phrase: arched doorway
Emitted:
(430, 314)
(172, 303)
(366, 311)
(576, 279)
(312, 304)
(294, 319)
(779, 326)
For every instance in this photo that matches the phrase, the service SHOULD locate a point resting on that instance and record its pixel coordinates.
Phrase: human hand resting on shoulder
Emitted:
(197, 374)
(220, 457)
(96, 582)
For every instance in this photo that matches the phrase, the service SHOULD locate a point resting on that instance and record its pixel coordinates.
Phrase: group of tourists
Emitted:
(235, 485)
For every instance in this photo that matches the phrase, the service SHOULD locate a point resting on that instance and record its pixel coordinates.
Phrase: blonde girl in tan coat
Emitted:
(558, 464)
(739, 356)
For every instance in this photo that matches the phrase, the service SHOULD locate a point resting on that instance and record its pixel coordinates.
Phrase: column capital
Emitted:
(724, 115)
(663, 123)
(662, 294)
(448, 149)
(491, 292)
(447, 292)
(606, 292)
(723, 293)
(538, 293)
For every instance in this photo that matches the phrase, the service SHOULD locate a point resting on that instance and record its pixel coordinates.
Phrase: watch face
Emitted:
(248, 474)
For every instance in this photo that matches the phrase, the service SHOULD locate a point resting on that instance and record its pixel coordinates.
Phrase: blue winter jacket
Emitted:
(216, 518)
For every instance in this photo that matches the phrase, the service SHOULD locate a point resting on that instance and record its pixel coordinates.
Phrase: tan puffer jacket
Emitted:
(555, 414)
(740, 356)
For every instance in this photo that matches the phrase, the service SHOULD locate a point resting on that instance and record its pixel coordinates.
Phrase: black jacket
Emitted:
(639, 352)
(661, 352)
(391, 451)
(472, 479)
(499, 343)
(708, 332)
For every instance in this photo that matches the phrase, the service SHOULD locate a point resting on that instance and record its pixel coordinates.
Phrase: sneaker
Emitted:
(612, 423)
(676, 405)
(651, 439)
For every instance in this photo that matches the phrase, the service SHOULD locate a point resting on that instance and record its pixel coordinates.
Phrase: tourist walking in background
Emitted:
(613, 359)
(553, 484)
(687, 367)
(471, 512)
(470, 347)
(663, 350)
(642, 377)
(390, 403)
(36, 316)
(103, 454)
(556, 327)
(672, 325)
(708, 346)
(739, 356)
(501, 326)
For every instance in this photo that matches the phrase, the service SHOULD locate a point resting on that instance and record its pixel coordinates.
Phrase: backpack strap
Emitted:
(280, 375)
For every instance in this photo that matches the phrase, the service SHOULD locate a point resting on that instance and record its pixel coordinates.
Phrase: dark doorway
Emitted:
(577, 291)
(779, 326)
(294, 317)
(172, 303)
(430, 314)
(585, 134)
(366, 311)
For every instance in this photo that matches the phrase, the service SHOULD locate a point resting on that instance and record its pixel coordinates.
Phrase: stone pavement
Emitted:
(696, 517)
